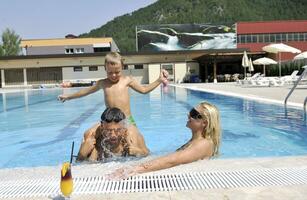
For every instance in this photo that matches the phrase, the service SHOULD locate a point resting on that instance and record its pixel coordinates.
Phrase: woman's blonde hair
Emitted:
(113, 58)
(210, 113)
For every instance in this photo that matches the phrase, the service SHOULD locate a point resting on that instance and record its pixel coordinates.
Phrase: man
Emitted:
(108, 139)
(116, 94)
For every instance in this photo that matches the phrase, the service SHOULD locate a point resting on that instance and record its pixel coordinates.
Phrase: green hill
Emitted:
(122, 28)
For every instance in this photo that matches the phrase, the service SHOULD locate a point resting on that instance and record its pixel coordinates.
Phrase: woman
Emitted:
(204, 122)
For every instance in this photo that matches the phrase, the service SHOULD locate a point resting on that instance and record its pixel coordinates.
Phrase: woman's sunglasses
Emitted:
(195, 114)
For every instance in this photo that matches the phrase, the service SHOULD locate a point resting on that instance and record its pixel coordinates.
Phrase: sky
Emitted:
(43, 19)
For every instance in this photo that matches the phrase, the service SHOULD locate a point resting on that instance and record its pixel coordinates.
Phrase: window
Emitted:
(248, 38)
(169, 69)
(278, 37)
(79, 50)
(254, 38)
(125, 67)
(272, 38)
(239, 39)
(138, 66)
(284, 37)
(243, 39)
(266, 37)
(290, 36)
(101, 49)
(260, 38)
(69, 51)
(295, 36)
(301, 36)
(93, 68)
(77, 69)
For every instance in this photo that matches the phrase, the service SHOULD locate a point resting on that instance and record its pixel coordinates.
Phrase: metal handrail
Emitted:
(295, 84)
(305, 114)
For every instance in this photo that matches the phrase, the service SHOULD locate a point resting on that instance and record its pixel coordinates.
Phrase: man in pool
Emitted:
(109, 139)
(116, 94)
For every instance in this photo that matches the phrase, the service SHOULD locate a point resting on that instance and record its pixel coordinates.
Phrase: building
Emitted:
(54, 61)
(255, 35)
(68, 45)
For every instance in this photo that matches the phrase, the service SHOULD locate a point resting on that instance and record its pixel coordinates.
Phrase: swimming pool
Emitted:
(37, 130)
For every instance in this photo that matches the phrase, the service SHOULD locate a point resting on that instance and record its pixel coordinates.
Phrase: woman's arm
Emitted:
(200, 150)
(196, 152)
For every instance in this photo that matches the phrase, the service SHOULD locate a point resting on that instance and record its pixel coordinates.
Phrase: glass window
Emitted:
(254, 38)
(305, 36)
(69, 51)
(243, 39)
(93, 68)
(79, 50)
(284, 37)
(278, 37)
(78, 69)
(168, 68)
(138, 66)
(238, 39)
(266, 37)
(290, 36)
(125, 67)
(260, 38)
(295, 36)
(301, 36)
(248, 38)
(272, 38)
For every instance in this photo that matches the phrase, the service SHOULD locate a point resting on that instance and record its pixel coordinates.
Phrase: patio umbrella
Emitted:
(264, 61)
(279, 48)
(301, 56)
(250, 66)
(245, 62)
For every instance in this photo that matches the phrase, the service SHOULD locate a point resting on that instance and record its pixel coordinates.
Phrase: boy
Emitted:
(116, 94)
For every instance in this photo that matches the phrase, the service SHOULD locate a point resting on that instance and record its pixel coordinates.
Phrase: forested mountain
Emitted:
(122, 28)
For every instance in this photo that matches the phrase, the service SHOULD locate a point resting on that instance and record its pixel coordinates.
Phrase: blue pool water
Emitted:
(37, 130)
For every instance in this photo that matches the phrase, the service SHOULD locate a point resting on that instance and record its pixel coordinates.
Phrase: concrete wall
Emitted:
(69, 74)
(56, 49)
(153, 72)
(141, 75)
(180, 72)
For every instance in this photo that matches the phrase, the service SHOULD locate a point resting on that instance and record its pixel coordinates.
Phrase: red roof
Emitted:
(289, 26)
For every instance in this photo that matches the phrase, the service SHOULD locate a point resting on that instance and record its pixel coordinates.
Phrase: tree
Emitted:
(1, 51)
(10, 43)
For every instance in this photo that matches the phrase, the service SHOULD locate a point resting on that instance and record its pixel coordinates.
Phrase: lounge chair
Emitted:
(290, 79)
(249, 80)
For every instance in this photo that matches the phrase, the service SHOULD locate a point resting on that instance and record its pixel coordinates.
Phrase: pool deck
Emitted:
(264, 94)
(274, 95)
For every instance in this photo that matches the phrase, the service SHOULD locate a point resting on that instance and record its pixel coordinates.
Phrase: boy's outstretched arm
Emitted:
(148, 88)
(81, 93)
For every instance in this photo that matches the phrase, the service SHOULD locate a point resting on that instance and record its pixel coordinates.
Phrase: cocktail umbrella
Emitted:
(245, 62)
(264, 61)
(279, 48)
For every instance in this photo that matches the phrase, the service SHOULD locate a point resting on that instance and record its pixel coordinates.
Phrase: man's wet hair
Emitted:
(112, 115)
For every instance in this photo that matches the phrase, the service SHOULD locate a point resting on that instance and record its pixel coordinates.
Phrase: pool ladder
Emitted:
(293, 88)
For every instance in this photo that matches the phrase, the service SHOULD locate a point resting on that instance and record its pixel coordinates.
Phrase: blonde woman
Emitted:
(204, 122)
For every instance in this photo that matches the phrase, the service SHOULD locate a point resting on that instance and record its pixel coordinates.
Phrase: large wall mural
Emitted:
(172, 37)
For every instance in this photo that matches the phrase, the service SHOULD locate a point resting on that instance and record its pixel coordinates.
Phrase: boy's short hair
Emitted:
(112, 115)
(113, 58)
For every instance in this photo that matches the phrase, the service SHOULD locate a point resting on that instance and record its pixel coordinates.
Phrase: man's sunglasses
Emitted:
(195, 114)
